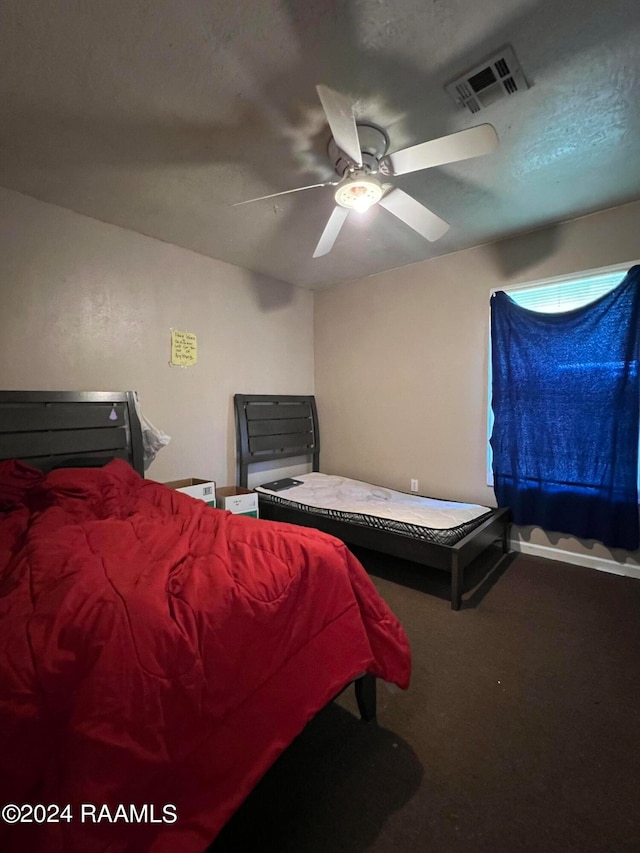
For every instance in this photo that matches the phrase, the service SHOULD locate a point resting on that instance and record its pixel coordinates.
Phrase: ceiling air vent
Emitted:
(490, 81)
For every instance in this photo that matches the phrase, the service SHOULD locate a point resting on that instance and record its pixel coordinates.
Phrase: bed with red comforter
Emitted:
(157, 655)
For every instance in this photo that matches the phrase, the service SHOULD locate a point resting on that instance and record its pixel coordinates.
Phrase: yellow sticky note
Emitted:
(184, 348)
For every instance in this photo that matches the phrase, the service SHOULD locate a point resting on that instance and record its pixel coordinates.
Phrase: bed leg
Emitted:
(366, 697)
(505, 539)
(456, 583)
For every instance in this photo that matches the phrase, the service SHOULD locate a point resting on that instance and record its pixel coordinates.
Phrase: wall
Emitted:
(89, 306)
(401, 361)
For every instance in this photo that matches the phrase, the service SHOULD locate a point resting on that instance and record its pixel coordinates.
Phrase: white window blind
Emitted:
(560, 296)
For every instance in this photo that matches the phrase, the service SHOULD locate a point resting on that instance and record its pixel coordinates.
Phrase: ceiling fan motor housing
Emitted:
(374, 143)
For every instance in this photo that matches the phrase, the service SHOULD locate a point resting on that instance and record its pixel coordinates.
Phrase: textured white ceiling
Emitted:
(157, 116)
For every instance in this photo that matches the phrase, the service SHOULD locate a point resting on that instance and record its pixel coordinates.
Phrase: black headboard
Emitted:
(51, 429)
(274, 427)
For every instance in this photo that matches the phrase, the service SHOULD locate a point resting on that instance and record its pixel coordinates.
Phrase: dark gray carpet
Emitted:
(520, 731)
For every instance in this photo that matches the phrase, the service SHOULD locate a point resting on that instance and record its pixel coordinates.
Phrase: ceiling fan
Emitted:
(358, 153)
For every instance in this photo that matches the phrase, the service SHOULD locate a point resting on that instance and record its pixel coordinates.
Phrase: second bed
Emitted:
(446, 535)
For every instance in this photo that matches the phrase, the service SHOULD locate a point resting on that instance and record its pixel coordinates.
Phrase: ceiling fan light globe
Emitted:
(358, 193)
(361, 205)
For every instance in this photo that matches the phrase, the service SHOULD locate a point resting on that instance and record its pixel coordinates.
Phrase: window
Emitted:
(566, 400)
(552, 296)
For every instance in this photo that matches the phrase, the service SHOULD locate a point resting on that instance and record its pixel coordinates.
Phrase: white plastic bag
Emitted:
(153, 439)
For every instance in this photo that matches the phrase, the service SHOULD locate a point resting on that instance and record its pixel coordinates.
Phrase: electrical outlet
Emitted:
(414, 485)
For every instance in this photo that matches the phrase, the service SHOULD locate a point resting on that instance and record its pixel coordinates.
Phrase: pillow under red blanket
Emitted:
(16, 480)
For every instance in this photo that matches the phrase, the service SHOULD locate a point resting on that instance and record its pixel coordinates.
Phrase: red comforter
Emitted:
(156, 656)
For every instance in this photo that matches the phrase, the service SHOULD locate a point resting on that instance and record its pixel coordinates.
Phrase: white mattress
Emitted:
(340, 494)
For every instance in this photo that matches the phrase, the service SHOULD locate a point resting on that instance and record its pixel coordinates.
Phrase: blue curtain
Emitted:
(565, 402)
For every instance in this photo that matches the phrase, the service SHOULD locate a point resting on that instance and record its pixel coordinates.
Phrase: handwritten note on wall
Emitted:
(184, 349)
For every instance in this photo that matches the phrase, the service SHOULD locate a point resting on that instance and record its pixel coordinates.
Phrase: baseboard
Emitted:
(601, 564)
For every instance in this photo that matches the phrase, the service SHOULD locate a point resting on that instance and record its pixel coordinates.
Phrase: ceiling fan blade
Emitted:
(342, 122)
(286, 192)
(414, 214)
(463, 145)
(331, 231)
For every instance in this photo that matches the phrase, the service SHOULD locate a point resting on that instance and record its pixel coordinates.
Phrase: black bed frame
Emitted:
(272, 428)
(55, 429)
(59, 429)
